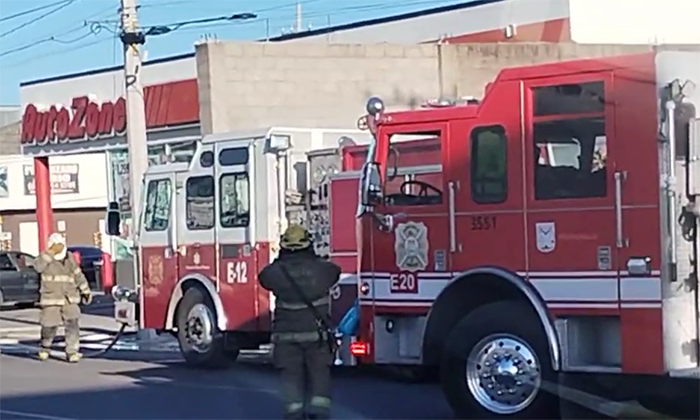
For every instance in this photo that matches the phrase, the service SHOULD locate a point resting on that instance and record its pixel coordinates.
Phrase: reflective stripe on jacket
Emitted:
(62, 281)
(298, 337)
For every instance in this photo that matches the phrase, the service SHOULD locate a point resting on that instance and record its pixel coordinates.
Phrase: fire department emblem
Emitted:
(155, 270)
(196, 258)
(546, 234)
(411, 246)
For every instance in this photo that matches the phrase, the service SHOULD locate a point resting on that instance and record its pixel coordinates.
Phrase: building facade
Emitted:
(79, 198)
(80, 119)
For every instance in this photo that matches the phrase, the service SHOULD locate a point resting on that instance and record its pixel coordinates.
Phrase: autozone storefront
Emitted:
(86, 114)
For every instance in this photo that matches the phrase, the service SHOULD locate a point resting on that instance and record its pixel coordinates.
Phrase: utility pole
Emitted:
(133, 39)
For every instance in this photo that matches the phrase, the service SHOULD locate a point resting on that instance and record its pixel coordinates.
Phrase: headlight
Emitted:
(319, 174)
(122, 293)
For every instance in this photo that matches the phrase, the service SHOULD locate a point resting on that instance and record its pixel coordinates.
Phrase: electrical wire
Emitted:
(95, 29)
(212, 23)
(34, 10)
(267, 9)
(318, 13)
(97, 26)
(37, 19)
(58, 52)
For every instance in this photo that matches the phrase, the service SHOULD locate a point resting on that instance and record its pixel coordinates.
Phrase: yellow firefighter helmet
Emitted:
(295, 237)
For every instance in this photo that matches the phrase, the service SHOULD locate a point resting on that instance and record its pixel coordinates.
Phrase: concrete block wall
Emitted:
(250, 85)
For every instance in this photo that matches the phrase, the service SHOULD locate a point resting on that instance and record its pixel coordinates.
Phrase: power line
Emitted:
(30, 11)
(61, 51)
(320, 13)
(37, 19)
(181, 2)
(95, 29)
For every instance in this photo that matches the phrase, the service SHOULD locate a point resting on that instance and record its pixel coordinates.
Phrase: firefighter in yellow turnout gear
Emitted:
(63, 287)
(301, 348)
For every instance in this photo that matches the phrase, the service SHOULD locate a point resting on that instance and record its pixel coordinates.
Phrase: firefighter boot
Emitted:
(72, 341)
(47, 336)
(42, 354)
(73, 357)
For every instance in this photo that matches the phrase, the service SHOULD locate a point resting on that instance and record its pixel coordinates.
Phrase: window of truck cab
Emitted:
(488, 164)
(414, 173)
(569, 141)
(157, 210)
(199, 202)
(234, 188)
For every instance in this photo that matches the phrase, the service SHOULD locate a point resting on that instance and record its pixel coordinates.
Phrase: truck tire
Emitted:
(201, 343)
(493, 363)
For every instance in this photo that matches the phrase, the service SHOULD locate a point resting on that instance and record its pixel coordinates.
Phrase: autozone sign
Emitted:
(84, 119)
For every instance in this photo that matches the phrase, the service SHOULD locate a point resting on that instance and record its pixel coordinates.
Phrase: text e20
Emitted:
(403, 283)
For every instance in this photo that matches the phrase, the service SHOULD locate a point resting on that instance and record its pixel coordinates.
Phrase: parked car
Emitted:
(90, 263)
(19, 282)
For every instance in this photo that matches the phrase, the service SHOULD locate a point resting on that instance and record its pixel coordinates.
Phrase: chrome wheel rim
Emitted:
(199, 328)
(503, 374)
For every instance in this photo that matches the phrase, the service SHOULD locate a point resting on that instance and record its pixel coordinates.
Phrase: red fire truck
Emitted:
(549, 227)
(207, 228)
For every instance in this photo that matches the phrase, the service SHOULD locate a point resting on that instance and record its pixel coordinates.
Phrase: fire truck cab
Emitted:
(550, 227)
(207, 228)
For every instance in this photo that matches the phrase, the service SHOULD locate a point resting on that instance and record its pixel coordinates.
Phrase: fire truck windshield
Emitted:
(413, 172)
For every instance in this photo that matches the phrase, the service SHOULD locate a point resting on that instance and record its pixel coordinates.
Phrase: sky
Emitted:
(71, 36)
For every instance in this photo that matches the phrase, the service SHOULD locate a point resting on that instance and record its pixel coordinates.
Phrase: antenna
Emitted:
(297, 19)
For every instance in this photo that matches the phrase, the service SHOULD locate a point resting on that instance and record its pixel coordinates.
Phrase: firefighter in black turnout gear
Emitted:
(303, 350)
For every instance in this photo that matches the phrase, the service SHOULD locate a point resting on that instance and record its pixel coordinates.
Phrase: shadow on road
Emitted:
(169, 390)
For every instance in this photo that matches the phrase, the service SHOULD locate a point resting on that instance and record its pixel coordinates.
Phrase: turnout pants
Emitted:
(52, 317)
(306, 379)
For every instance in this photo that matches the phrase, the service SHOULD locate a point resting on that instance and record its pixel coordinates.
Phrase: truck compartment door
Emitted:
(484, 170)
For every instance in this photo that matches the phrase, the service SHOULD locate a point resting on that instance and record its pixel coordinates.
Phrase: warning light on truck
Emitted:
(359, 348)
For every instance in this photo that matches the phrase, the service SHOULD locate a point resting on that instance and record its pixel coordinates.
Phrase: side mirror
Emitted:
(113, 219)
(694, 157)
(370, 185)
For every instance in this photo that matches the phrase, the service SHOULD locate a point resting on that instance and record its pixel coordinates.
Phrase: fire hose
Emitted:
(109, 346)
(119, 294)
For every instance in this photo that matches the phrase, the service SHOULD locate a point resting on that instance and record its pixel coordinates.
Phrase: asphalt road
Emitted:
(151, 386)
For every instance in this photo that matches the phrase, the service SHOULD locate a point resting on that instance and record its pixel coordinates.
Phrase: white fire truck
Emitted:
(549, 228)
(210, 225)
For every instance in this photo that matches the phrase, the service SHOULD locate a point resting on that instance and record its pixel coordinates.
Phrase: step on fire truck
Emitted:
(208, 226)
(550, 227)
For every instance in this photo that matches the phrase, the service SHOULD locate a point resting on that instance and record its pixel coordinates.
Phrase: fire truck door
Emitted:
(486, 183)
(157, 244)
(572, 190)
(235, 171)
(195, 224)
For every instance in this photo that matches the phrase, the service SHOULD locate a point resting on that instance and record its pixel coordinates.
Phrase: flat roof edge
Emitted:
(103, 70)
